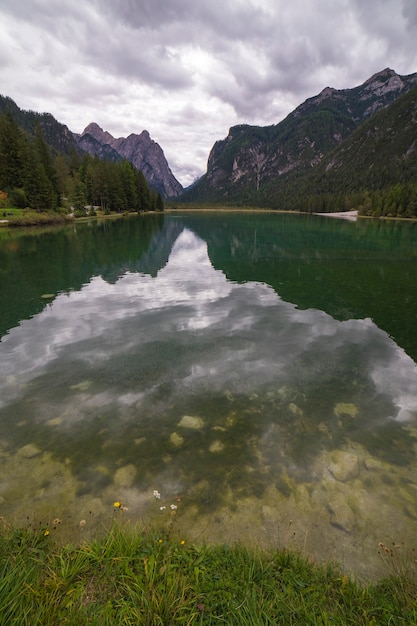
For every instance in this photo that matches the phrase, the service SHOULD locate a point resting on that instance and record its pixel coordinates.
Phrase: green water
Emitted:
(257, 370)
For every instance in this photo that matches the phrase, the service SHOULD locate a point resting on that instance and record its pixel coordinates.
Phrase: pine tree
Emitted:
(79, 200)
(13, 153)
(159, 203)
(39, 189)
(129, 186)
(143, 192)
(44, 157)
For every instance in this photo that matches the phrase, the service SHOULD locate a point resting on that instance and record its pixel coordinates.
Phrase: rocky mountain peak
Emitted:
(382, 83)
(92, 129)
(326, 92)
(383, 75)
(98, 133)
(144, 153)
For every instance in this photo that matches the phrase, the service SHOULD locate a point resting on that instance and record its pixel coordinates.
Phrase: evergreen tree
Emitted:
(74, 161)
(142, 191)
(62, 175)
(39, 189)
(44, 158)
(159, 203)
(79, 199)
(13, 153)
(129, 186)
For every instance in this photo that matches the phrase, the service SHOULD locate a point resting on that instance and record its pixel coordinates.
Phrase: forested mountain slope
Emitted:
(140, 150)
(289, 165)
(44, 175)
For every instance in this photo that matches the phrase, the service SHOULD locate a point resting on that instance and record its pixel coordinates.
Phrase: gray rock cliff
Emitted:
(144, 153)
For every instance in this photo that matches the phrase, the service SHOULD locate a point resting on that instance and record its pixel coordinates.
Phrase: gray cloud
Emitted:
(187, 71)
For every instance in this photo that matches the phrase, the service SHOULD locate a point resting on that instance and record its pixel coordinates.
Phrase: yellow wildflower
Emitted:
(117, 505)
(46, 533)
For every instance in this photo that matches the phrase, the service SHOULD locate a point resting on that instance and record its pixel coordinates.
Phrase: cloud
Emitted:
(410, 13)
(131, 65)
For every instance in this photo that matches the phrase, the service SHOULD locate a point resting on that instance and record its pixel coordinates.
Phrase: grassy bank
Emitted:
(158, 578)
(11, 217)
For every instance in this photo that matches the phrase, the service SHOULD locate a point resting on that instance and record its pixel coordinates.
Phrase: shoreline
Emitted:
(344, 215)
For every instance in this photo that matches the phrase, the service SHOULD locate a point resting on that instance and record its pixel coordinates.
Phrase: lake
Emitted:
(233, 376)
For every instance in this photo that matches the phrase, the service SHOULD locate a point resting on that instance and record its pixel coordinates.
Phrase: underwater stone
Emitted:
(176, 439)
(29, 451)
(189, 421)
(270, 514)
(371, 463)
(55, 421)
(125, 476)
(341, 515)
(295, 410)
(216, 446)
(345, 408)
(83, 386)
(343, 466)
(323, 428)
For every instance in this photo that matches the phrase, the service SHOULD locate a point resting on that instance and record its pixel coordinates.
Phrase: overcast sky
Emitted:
(187, 70)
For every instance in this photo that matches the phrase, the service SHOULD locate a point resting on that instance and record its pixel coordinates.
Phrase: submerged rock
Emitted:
(55, 421)
(372, 464)
(341, 515)
(29, 451)
(176, 439)
(343, 466)
(345, 408)
(216, 446)
(125, 476)
(295, 410)
(83, 386)
(270, 514)
(189, 421)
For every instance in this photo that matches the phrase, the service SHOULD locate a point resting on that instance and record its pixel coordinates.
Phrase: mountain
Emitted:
(88, 143)
(56, 135)
(144, 153)
(381, 151)
(259, 165)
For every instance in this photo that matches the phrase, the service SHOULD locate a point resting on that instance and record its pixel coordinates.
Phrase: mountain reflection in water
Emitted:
(270, 422)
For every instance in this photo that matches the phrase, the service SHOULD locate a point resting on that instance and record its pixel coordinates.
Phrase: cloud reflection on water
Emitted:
(249, 335)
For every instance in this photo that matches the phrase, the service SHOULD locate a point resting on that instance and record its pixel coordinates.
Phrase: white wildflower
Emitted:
(156, 494)
(173, 507)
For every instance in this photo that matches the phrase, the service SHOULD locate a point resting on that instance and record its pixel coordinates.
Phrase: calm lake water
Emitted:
(257, 371)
